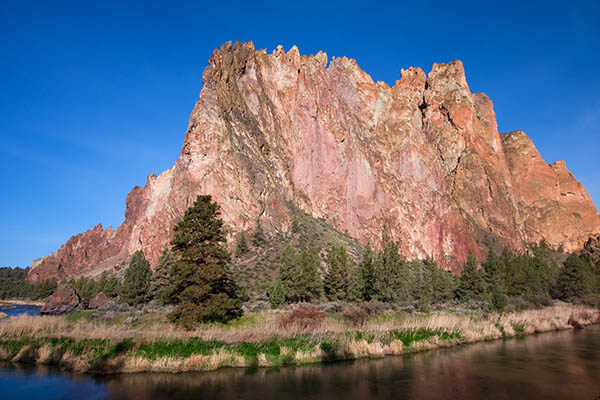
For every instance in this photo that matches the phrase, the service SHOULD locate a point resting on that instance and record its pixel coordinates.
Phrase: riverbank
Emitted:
(84, 342)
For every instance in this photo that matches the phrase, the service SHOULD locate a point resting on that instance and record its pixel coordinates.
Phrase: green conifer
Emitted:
(337, 279)
(161, 283)
(472, 284)
(136, 280)
(310, 282)
(576, 279)
(241, 246)
(202, 283)
(367, 275)
(259, 238)
(391, 274)
(288, 273)
(277, 294)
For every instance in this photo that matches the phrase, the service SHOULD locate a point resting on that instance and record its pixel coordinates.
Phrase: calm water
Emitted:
(20, 309)
(563, 365)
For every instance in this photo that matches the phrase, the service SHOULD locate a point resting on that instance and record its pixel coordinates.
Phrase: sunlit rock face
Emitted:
(553, 204)
(423, 158)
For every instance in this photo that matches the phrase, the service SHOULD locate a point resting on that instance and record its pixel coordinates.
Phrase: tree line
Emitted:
(13, 285)
(536, 277)
(193, 273)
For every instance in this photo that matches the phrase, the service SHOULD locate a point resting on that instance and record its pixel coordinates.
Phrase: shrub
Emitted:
(356, 316)
(303, 318)
(592, 300)
(374, 308)
(499, 299)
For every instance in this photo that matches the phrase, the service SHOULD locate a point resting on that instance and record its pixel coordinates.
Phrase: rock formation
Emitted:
(553, 205)
(423, 158)
(63, 300)
(591, 250)
(98, 301)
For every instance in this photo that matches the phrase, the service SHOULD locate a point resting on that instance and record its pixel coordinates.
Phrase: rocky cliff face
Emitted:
(553, 204)
(423, 157)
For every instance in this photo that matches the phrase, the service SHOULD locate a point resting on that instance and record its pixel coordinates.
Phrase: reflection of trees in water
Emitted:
(550, 365)
(349, 380)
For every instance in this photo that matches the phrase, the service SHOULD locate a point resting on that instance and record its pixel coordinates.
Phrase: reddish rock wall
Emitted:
(423, 157)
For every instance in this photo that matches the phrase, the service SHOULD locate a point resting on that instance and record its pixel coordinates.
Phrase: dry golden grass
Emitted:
(259, 327)
(376, 338)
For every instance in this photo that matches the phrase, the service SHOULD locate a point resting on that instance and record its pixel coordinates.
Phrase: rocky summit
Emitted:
(280, 130)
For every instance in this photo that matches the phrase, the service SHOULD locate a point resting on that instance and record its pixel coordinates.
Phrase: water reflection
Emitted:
(552, 366)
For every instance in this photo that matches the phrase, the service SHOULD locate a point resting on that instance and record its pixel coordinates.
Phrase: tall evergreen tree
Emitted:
(311, 284)
(354, 292)
(337, 277)
(259, 237)
(277, 294)
(241, 246)
(472, 284)
(515, 273)
(494, 270)
(136, 280)
(444, 282)
(289, 271)
(425, 287)
(367, 275)
(299, 274)
(391, 274)
(494, 274)
(202, 283)
(161, 283)
(576, 279)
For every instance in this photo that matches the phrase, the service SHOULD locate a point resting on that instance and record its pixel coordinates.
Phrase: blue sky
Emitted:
(96, 97)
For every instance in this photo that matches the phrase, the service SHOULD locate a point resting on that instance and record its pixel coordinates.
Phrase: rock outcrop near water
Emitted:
(423, 157)
(64, 300)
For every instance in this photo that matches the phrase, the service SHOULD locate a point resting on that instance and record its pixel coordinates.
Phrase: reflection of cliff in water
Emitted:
(553, 365)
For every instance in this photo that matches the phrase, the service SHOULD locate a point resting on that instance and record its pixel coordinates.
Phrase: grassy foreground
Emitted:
(78, 343)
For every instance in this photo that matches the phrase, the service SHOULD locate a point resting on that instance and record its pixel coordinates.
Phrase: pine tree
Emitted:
(425, 287)
(277, 295)
(202, 283)
(495, 275)
(444, 282)
(241, 246)
(258, 238)
(136, 281)
(472, 284)
(494, 270)
(354, 292)
(112, 287)
(289, 271)
(499, 299)
(576, 279)
(337, 279)
(101, 283)
(310, 282)
(367, 275)
(161, 283)
(515, 274)
(391, 274)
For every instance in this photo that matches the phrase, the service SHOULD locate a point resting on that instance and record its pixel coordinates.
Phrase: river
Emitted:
(16, 309)
(558, 365)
